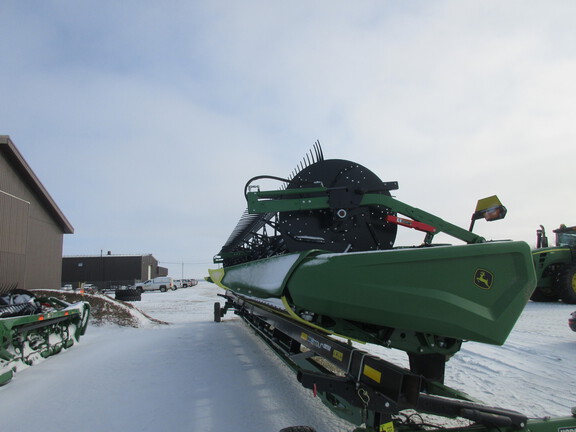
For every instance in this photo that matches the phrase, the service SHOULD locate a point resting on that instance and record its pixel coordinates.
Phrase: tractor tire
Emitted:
(541, 296)
(567, 285)
(217, 312)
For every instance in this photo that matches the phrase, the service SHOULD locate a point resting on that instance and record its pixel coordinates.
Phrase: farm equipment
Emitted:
(555, 266)
(34, 327)
(313, 269)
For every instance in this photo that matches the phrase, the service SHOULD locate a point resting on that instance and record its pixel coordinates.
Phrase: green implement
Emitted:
(324, 245)
(313, 268)
(467, 292)
(32, 328)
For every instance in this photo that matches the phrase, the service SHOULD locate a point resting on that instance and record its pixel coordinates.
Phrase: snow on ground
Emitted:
(197, 375)
(534, 372)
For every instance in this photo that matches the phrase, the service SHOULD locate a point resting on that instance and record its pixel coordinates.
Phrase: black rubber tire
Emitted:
(128, 295)
(298, 429)
(567, 285)
(541, 296)
(163, 289)
(217, 312)
(120, 294)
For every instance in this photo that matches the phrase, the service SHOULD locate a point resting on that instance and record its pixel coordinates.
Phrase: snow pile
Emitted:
(106, 310)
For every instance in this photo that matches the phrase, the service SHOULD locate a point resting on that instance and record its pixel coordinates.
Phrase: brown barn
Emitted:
(32, 227)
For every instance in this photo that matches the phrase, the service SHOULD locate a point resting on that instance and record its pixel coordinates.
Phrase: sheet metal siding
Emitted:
(13, 238)
(27, 178)
(43, 248)
(43, 255)
(107, 268)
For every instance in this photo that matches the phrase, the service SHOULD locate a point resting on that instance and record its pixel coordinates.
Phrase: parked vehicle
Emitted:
(572, 321)
(185, 283)
(160, 283)
(88, 287)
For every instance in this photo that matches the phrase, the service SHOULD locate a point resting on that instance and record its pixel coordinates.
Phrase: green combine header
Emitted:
(314, 263)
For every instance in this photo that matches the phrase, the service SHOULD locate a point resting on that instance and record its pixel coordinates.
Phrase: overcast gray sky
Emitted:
(144, 119)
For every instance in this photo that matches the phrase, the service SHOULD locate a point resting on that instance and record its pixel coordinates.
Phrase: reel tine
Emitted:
(319, 152)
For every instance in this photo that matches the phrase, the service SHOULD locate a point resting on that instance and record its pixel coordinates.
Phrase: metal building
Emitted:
(32, 227)
(107, 271)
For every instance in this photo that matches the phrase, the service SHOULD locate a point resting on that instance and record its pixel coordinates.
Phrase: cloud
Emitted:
(144, 121)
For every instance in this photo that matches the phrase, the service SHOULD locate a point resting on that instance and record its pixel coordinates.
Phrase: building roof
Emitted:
(11, 153)
(109, 255)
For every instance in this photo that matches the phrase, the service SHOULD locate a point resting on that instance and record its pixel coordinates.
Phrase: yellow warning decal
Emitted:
(338, 355)
(372, 373)
(386, 427)
(304, 336)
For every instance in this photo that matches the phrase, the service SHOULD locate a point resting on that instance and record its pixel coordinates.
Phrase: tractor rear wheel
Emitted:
(544, 295)
(567, 285)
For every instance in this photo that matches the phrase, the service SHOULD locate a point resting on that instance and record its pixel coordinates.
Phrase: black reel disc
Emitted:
(345, 227)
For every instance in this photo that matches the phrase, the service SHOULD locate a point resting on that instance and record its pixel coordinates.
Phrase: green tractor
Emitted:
(555, 266)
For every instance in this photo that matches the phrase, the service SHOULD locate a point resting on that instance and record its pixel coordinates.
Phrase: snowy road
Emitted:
(194, 375)
(197, 375)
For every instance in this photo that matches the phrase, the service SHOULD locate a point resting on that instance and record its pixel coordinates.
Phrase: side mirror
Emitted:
(490, 209)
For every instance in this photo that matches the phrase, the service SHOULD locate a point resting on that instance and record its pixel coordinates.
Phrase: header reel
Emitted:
(344, 226)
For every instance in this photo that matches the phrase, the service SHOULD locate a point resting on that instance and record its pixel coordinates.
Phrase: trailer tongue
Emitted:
(314, 263)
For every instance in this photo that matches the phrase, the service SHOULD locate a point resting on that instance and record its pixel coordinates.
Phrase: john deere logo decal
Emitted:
(483, 279)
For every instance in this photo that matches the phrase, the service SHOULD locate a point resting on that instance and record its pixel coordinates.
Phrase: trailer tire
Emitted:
(567, 285)
(217, 312)
(298, 429)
